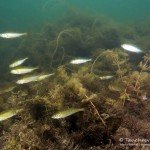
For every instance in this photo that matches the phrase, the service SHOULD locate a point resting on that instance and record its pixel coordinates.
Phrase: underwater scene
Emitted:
(75, 75)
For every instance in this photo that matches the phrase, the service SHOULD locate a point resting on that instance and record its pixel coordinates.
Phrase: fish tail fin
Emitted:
(24, 33)
(35, 68)
(82, 109)
(50, 74)
(26, 58)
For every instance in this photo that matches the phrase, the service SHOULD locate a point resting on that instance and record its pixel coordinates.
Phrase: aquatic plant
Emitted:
(67, 31)
(114, 108)
(144, 66)
(68, 89)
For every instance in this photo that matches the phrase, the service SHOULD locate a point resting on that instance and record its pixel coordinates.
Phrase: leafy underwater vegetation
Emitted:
(114, 108)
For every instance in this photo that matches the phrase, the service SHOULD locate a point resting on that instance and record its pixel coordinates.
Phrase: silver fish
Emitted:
(18, 62)
(106, 77)
(80, 61)
(66, 113)
(131, 48)
(10, 35)
(44, 76)
(7, 89)
(9, 113)
(23, 70)
(33, 78)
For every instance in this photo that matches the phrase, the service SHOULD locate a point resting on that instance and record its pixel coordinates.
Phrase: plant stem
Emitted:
(95, 109)
(103, 122)
(57, 42)
(95, 62)
(136, 84)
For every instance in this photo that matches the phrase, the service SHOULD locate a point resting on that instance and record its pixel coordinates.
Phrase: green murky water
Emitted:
(32, 14)
(74, 74)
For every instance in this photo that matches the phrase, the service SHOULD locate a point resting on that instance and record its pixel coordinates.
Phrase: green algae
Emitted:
(79, 87)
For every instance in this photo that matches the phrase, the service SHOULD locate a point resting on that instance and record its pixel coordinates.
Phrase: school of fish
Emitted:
(17, 69)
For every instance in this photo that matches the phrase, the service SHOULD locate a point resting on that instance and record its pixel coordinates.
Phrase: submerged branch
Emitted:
(98, 114)
(139, 76)
(57, 41)
(92, 67)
